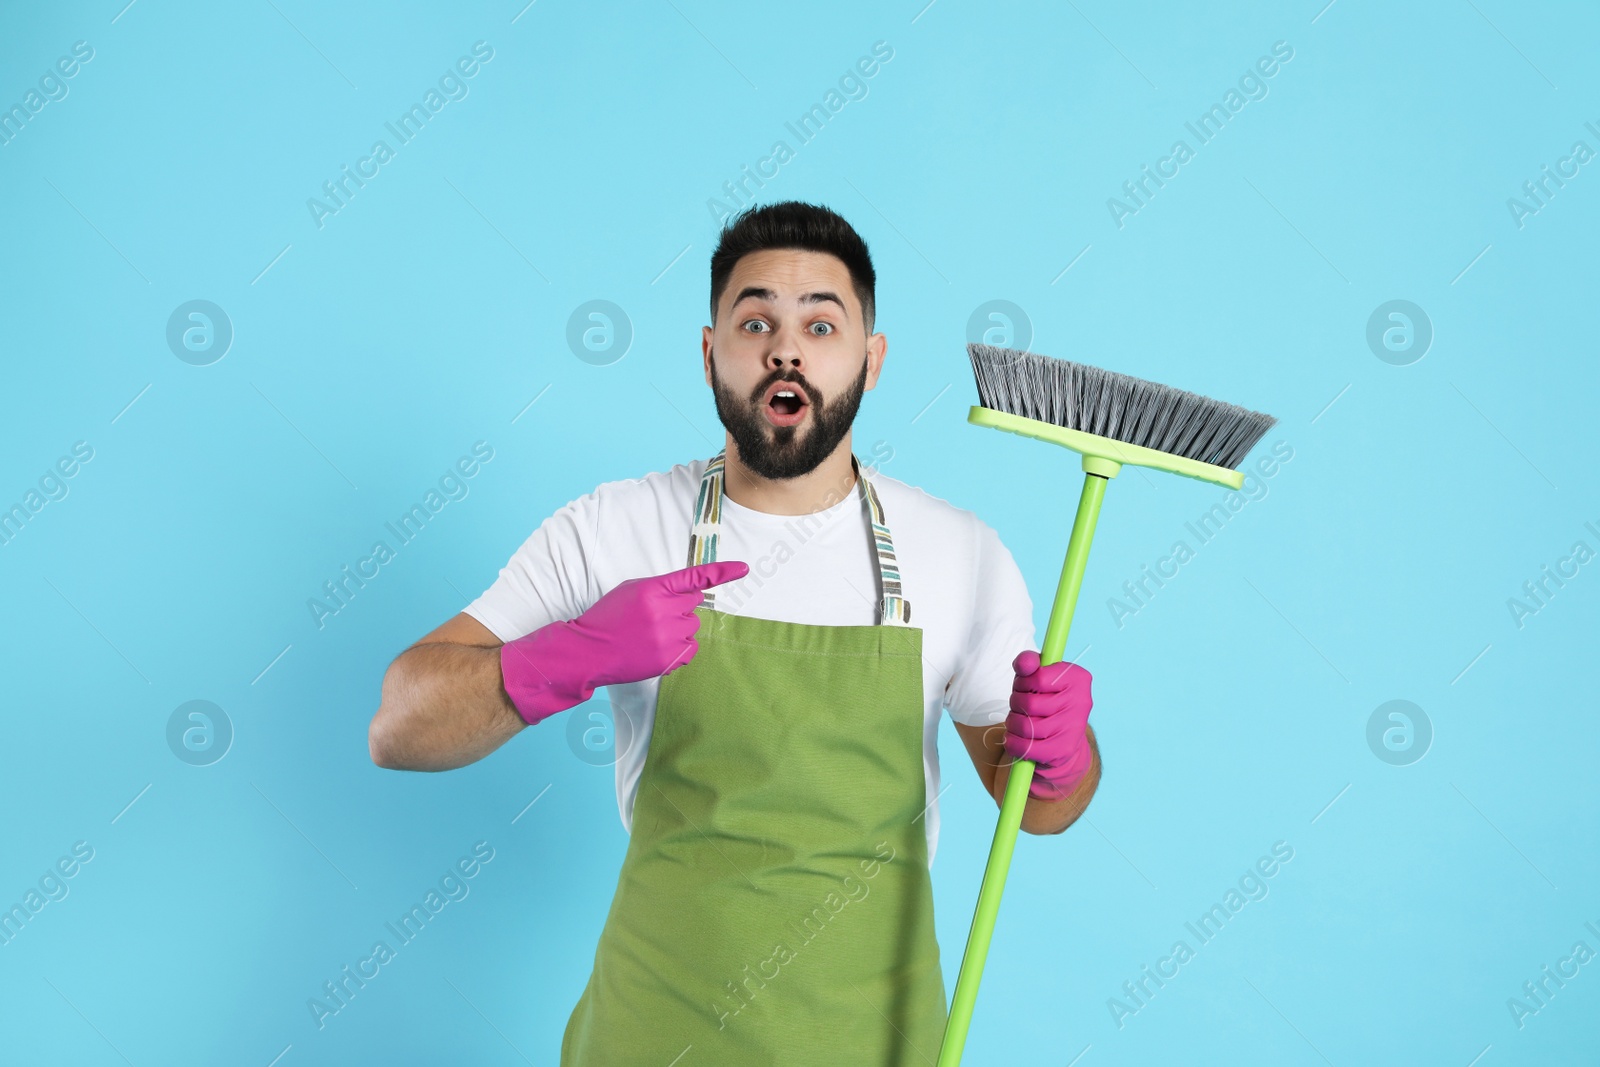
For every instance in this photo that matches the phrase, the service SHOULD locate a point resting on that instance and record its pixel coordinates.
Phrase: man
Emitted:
(778, 771)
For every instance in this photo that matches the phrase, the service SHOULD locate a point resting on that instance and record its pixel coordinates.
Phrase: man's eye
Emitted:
(754, 322)
(827, 328)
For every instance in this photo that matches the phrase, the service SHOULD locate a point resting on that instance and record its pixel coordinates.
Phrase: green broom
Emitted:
(1112, 419)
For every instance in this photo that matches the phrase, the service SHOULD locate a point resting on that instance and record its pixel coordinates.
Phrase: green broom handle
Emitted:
(1005, 833)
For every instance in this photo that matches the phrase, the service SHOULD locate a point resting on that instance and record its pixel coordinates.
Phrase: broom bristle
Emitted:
(1102, 402)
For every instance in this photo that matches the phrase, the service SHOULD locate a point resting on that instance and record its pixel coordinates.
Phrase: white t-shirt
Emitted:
(966, 592)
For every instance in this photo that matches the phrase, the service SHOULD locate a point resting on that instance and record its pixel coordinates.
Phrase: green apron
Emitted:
(774, 905)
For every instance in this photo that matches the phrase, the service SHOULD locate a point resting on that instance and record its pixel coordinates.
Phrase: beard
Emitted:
(776, 452)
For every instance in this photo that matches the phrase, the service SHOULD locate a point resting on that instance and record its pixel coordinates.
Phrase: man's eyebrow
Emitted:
(758, 293)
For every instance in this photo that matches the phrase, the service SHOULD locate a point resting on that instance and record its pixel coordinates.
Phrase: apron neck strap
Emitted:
(893, 608)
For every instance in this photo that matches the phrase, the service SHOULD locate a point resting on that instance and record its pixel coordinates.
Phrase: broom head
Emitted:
(1113, 419)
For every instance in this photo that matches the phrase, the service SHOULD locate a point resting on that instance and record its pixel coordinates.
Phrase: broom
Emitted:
(1111, 419)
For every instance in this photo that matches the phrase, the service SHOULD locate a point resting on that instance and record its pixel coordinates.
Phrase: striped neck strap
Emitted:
(893, 608)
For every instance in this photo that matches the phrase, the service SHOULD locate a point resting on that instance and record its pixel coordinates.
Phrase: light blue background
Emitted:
(370, 353)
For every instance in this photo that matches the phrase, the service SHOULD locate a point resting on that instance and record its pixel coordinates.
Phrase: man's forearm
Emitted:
(1054, 816)
(443, 706)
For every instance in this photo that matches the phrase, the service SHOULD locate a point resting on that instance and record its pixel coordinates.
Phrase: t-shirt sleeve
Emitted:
(979, 692)
(549, 578)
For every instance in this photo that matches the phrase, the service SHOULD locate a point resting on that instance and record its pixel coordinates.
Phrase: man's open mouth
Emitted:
(786, 403)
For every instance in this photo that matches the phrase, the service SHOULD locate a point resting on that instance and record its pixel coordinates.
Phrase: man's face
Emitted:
(789, 319)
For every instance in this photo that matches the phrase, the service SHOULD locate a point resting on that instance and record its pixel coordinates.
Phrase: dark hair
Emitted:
(793, 224)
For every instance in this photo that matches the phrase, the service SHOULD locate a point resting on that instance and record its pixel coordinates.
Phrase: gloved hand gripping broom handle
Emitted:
(1097, 472)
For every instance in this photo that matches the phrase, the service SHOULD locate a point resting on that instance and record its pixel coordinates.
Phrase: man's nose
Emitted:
(784, 354)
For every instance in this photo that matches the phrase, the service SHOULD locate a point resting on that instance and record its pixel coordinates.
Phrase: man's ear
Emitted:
(705, 352)
(877, 348)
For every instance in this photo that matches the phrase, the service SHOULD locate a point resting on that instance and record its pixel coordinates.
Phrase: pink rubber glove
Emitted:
(1049, 714)
(642, 629)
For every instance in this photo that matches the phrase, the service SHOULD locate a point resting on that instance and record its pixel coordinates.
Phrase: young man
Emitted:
(779, 701)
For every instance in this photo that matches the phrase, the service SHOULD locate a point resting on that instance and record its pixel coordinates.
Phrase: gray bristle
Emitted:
(1119, 406)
